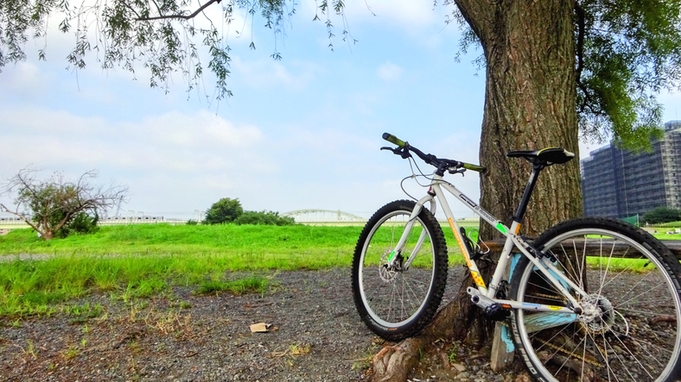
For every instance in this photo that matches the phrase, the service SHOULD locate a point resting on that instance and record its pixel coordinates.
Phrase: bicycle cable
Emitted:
(414, 175)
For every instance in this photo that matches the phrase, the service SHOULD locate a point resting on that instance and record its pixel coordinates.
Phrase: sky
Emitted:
(303, 132)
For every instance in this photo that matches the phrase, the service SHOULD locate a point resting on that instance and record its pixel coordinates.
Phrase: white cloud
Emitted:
(200, 130)
(266, 73)
(26, 79)
(389, 72)
(196, 142)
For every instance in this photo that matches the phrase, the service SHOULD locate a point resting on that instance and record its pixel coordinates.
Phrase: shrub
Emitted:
(225, 210)
(661, 215)
(82, 223)
(264, 218)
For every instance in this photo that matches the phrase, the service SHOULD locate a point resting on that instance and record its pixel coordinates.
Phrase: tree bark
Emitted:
(530, 103)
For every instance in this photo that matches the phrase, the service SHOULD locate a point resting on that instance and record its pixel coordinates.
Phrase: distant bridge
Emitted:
(336, 217)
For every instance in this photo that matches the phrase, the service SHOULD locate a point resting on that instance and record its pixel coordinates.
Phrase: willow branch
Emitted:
(581, 31)
(185, 17)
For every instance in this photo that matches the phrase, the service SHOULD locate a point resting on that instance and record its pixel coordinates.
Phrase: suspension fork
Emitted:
(429, 198)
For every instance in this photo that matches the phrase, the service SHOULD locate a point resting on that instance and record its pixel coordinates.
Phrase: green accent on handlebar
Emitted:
(393, 139)
(474, 167)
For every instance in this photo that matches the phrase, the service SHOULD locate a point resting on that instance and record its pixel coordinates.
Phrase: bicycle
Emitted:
(590, 299)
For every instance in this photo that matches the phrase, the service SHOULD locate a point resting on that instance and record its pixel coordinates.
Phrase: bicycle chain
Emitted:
(550, 297)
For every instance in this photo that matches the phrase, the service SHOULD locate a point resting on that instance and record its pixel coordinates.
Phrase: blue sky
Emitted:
(300, 133)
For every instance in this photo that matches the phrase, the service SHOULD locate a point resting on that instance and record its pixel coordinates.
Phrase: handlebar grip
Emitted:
(475, 167)
(393, 139)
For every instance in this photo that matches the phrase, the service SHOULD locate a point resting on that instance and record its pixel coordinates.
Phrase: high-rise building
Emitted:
(618, 183)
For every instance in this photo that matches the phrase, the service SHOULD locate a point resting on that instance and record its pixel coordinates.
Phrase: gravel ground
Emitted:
(315, 334)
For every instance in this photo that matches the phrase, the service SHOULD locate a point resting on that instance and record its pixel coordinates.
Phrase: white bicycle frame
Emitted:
(481, 294)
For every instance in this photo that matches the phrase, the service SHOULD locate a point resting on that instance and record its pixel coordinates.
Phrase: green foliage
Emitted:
(631, 50)
(662, 215)
(228, 210)
(225, 210)
(264, 218)
(83, 223)
(57, 207)
(627, 52)
(163, 37)
(192, 222)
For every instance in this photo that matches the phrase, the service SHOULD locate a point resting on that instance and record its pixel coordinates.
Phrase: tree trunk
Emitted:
(530, 103)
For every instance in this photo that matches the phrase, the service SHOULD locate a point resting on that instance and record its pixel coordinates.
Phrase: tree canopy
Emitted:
(165, 36)
(662, 215)
(225, 210)
(626, 51)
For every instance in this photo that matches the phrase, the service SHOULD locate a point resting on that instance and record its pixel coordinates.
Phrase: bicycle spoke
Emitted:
(628, 325)
(392, 300)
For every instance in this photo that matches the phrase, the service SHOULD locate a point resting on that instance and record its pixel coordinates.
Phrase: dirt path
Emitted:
(315, 335)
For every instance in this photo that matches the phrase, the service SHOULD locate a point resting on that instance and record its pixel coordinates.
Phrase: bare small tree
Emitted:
(50, 205)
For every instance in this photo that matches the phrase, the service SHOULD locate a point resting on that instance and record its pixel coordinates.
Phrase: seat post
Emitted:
(537, 166)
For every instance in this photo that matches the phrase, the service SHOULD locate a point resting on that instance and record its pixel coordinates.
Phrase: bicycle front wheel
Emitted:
(397, 293)
(628, 329)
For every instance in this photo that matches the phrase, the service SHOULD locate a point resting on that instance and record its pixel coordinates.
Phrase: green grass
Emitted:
(163, 238)
(138, 261)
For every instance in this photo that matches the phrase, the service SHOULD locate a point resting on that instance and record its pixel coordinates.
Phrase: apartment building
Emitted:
(618, 183)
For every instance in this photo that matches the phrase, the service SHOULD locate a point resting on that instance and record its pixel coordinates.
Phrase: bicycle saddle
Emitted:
(548, 156)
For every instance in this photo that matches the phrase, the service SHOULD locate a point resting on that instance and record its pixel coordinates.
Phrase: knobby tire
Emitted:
(397, 303)
(631, 331)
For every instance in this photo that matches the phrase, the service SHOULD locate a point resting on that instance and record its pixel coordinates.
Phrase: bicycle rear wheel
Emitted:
(629, 327)
(396, 302)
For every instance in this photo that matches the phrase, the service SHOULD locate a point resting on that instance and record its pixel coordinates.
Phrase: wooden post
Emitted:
(503, 347)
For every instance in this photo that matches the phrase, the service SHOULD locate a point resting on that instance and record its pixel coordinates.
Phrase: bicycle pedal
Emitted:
(496, 312)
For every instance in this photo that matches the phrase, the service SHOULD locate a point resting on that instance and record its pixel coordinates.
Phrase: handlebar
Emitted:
(393, 139)
(442, 164)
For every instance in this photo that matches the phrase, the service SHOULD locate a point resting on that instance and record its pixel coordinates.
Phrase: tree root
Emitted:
(395, 362)
(459, 319)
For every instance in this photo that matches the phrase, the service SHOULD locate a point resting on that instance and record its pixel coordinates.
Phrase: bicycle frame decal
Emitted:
(471, 266)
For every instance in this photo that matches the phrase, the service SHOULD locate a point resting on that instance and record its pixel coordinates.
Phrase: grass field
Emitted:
(133, 261)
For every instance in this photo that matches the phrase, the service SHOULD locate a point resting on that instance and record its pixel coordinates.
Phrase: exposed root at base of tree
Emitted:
(458, 320)
(395, 362)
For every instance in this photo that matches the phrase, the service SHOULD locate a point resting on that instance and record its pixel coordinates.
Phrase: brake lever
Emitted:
(401, 151)
(456, 170)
